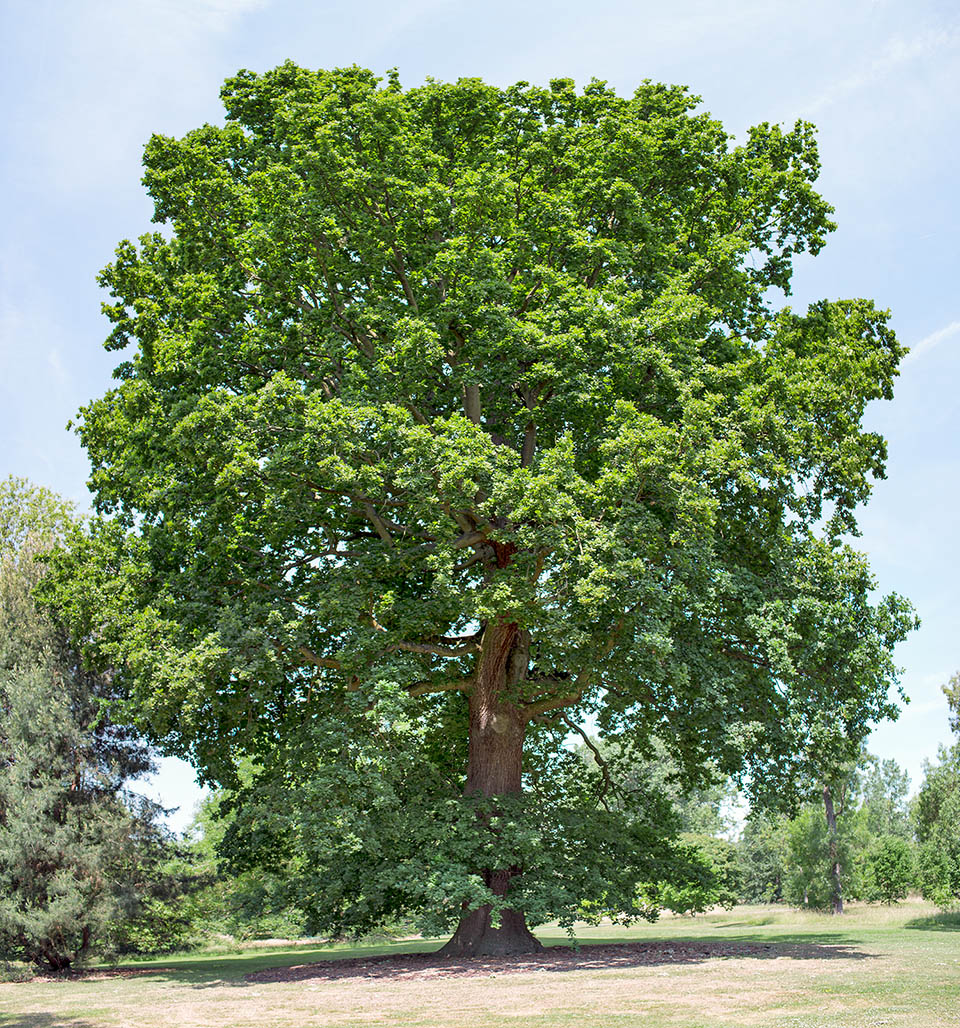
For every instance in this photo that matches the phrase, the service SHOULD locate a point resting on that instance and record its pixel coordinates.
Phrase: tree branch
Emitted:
(378, 524)
(552, 703)
(404, 281)
(468, 539)
(452, 640)
(424, 688)
(529, 444)
(437, 650)
(608, 784)
(418, 415)
(471, 403)
(309, 655)
(526, 300)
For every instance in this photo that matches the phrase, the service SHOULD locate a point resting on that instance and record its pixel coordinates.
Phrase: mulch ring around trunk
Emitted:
(425, 966)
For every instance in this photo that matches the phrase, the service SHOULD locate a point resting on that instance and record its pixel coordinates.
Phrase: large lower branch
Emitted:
(417, 689)
(442, 647)
(469, 539)
(552, 703)
(424, 688)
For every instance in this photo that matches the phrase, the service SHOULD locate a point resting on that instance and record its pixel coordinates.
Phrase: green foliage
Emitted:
(936, 813)
(158, 927)
(415, 370)
(809, 881)
(884, 788)
(938, 875)
(65, 842)
(698, 809)
(369, 827)
(952, 691)
(254, 904)
(791, 858)
(721, 888)
(695, 812)
(171, 912)
(887, 869)
(70, 837)
(762, 855)
(16, 971)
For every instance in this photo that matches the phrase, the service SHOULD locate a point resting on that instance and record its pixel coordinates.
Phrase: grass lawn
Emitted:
(778, 968)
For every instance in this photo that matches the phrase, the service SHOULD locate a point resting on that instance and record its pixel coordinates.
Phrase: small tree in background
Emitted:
(936, 813)
(952, 691)
(843, 639)
(887, 869)
(821, 857)
(762, 857)
(884, 790)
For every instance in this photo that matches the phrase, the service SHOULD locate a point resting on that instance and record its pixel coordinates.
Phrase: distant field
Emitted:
(760, 966)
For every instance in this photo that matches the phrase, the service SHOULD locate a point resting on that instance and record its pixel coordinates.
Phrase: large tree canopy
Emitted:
(475, 401)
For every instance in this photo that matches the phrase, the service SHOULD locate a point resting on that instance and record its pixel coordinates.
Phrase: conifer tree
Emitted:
(71, 836)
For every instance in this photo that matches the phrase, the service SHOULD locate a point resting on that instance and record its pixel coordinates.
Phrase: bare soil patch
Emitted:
(97, 974)
(427, 966)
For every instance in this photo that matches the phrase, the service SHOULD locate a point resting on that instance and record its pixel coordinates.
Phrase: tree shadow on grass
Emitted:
(420, 962)
(753, 922)
(41, 1019)
(603, 957)
(936, 923)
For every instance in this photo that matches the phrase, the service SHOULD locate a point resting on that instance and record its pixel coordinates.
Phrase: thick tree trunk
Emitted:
(495, 769)
(836, 900)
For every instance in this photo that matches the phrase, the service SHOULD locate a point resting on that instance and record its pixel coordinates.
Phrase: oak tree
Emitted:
(448, 418)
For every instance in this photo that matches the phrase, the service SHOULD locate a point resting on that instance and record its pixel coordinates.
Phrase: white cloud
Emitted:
(929, 342)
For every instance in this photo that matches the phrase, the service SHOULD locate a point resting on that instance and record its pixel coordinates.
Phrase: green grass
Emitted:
(874, 966)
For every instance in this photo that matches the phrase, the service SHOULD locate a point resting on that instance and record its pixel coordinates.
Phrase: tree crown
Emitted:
(412, 363)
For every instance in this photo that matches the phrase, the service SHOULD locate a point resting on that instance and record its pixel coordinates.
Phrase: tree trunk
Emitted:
(495, 769)
(836, 900)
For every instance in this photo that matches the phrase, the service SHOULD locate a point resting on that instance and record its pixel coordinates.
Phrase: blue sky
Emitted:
(85, 82)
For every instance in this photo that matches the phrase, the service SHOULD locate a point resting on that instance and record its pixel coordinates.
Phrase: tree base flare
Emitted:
(476, 937)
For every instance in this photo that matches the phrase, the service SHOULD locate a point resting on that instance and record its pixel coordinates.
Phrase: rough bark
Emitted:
(495, 769)
(836, 900)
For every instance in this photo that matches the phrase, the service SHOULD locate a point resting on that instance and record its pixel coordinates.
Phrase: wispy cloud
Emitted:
(898, 51)
(218, 15)
(929, 342)
(55, 364)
